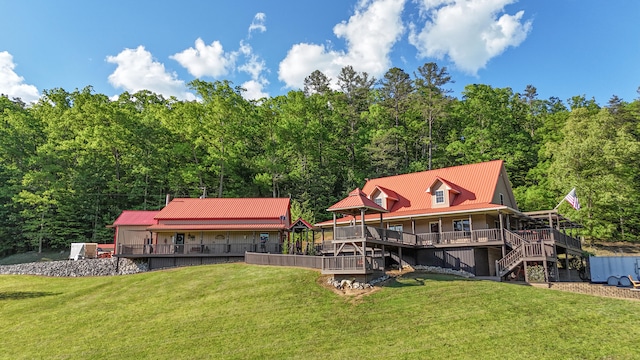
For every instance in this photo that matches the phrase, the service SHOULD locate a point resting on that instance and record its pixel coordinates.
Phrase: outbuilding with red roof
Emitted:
(196, 230)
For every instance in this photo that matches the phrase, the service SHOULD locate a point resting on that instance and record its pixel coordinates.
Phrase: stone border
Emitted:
(78, 268)
(593, 289)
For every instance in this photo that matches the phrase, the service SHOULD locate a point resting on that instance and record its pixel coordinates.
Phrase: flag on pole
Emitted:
(572, 199)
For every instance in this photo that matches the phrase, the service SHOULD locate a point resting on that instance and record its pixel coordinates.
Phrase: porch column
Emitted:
(413, 226)
(503, 248)
(501, 226)
(362, 216)
(334, 226)
(439, 227)
(471, 229)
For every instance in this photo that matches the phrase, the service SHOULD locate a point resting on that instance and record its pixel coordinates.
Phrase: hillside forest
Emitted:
(70, 163)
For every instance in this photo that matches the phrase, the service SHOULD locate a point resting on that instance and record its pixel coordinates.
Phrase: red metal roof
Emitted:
(356, 200)
(225, 208)
(475, 185)
(211, 227)
(136, 217)
(301, 222)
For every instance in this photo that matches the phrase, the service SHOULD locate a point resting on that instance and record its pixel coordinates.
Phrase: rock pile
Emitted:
(355, 285)
(70, 268)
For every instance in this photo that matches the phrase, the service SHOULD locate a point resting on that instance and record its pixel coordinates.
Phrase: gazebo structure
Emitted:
(350, 254)
(301, 228)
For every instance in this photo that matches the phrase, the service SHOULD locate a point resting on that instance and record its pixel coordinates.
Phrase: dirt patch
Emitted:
(357, 294)
(614, 249)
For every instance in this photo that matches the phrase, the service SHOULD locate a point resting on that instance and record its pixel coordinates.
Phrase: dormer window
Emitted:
(378, 201)
(439, 196)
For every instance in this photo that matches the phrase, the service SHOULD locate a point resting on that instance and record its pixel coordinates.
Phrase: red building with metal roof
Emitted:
(189, 231)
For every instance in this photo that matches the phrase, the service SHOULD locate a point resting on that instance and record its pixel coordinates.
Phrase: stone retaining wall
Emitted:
(594, 289)
(71, 268)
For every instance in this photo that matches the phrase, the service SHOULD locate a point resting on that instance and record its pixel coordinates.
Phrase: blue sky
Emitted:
(562, 47)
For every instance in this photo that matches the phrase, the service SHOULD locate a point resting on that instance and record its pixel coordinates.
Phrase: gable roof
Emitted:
(447, 184)
(355, 201)
(301, 224)
(390, 193)
(476, 184)
(225, 209)
(136, 217)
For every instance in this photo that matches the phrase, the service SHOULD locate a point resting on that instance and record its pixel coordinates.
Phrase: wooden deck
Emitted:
(194, 250)
(482, 237)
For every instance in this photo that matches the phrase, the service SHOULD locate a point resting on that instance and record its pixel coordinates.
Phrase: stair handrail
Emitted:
(510, 260)
(514, 240)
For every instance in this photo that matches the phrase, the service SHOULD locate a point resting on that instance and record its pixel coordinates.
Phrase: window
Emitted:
(396, 227)
(434, 227)
(378, 201)
(501, 199)
(439, 196)
(461, 225)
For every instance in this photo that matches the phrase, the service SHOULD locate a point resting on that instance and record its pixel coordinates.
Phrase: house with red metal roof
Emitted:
(131, 228)
(462, 217)
(192, 231)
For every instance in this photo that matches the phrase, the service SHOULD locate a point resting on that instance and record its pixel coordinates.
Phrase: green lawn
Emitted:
(243, 311)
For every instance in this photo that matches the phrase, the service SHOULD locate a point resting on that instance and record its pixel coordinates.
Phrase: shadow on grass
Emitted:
(418, 279)
(19, 295)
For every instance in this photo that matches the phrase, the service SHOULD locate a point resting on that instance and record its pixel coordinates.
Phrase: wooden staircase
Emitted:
(521, 250)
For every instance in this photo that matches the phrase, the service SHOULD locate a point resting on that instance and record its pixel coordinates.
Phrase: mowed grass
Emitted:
(240, 311)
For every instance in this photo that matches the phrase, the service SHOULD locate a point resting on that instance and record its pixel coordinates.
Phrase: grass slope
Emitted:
(242, 311)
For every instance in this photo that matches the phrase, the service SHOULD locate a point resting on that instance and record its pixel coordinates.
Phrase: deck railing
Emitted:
(538, 235)
(352, 263)
(196, 249)
(514, 238)
(459, 237)
(306, 261)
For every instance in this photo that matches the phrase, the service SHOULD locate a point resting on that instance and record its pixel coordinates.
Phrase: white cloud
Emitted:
(468, 32)
(254, 90)
(369, 35)
(255, 67)
(137, 70)
(258, 23)
(206, 60)
(11, 84)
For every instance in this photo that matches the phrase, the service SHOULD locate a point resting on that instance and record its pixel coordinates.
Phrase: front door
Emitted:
(180, 243)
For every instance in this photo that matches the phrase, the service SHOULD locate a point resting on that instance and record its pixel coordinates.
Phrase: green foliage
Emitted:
(72, 162)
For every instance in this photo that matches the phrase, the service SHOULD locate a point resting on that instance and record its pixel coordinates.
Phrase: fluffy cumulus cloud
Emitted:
(369, 34)
(137, 70)
(468, 32)
(11, 84)
(206, 60)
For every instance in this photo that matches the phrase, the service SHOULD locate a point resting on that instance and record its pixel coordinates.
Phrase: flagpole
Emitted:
(556, 208)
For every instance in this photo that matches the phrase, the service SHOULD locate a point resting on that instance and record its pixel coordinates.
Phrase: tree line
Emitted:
(70, 163)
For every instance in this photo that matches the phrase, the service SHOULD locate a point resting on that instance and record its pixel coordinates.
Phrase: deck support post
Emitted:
(400, 258)
(544, 264)
(362, 217)
(526, 273)
(566, 263)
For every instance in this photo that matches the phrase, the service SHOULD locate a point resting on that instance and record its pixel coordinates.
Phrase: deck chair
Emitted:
(635, 284)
